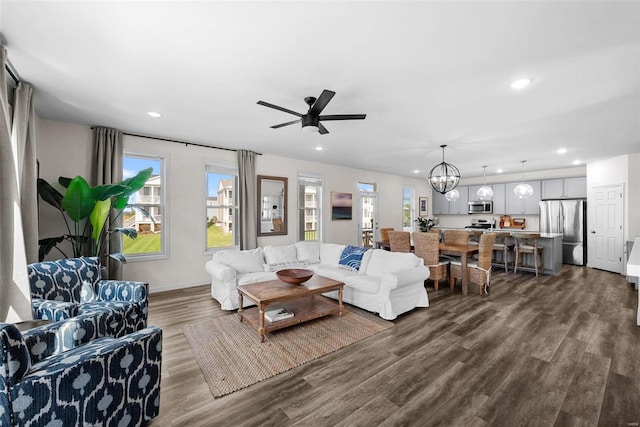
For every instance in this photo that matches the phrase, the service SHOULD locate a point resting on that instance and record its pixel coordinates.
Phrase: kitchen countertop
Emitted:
(508, 230)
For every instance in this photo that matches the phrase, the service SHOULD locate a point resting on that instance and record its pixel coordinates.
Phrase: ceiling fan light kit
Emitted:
(523, 190)
(311, 121)
(444, 176)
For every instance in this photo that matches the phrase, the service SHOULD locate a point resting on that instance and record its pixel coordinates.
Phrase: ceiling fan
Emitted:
(311, 120)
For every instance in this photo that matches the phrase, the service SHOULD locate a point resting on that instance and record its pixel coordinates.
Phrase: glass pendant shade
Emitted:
(452, 195)
(444, 176)
(485, 192)
(523, 190)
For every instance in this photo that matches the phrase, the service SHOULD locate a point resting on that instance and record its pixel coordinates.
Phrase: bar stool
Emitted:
(527, 243)
(502, 245)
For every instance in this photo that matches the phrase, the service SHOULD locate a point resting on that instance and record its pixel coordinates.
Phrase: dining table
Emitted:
(464, 252)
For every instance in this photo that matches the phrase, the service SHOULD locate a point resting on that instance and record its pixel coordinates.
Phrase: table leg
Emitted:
(465, 276)
(261, 330)
(340, 301)
(240, 306)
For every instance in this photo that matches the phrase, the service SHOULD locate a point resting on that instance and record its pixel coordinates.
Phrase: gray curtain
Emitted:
(15, 293)
(247, 197)
(107, 169)
(24, 135)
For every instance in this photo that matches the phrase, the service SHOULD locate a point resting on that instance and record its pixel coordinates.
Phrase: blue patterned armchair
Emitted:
(66, 374)
(70, 287)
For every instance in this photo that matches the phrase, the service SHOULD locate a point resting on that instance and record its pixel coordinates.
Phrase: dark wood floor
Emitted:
(558, 350)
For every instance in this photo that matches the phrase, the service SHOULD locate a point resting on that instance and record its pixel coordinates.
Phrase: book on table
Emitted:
(277, 314)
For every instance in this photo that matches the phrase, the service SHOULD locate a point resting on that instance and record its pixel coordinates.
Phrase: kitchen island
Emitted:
(552, 253)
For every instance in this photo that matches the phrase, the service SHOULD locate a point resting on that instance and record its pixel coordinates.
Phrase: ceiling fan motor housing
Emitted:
(309, 120)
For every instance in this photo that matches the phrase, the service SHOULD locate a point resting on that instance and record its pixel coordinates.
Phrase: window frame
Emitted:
(222, 168)
(309, 180)
(163, 206)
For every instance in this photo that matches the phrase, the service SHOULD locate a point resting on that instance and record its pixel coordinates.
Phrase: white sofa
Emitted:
(387, 283)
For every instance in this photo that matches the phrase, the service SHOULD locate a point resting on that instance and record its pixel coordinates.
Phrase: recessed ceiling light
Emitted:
(521, 83)
(561, 150)
(319, 148)
(154, 114)
(416, 171)
(576, 162)
(500, 171)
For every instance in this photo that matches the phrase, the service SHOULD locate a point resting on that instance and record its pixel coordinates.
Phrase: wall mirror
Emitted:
(272, 205)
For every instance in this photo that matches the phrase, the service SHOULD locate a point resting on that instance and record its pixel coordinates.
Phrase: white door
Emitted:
(606, 234)
(368, 219)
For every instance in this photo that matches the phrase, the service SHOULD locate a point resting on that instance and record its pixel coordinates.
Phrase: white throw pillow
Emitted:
(308, 251)
(247, 261)
(278, 254)
(330, 253)
(277, 266)
(365, 261)
(383, 262)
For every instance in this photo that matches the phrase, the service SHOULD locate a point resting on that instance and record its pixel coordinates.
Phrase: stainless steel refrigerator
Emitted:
(569, 218)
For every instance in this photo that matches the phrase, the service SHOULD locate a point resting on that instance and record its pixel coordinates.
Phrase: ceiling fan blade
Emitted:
(321, 102)
(321, 129)
(285, 124)
(266, 104)
(343, 117)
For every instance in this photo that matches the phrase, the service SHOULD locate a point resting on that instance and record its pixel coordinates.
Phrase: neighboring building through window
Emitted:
(309, 207)
(147, 217)
(408, 208)
(221, 206)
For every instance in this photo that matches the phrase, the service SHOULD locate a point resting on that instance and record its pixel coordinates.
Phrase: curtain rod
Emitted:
(186, 143)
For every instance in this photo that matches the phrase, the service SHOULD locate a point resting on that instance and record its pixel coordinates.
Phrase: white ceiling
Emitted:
(425, 73)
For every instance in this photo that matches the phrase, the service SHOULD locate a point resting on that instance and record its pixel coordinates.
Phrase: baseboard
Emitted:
(173, 287)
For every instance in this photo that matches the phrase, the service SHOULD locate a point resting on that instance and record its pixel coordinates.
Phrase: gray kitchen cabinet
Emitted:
(460, 206)
(499, 199)
(529, 206)
(564, 188)
(439, 205)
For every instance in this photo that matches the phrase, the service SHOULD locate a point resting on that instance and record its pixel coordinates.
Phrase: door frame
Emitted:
(361, 196)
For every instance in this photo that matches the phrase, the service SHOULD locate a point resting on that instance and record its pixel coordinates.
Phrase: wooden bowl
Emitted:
(294, 276)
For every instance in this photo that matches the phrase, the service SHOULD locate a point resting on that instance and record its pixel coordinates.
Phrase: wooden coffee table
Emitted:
(303, 300)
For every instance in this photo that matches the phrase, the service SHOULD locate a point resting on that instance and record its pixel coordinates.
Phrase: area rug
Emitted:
(232, 357)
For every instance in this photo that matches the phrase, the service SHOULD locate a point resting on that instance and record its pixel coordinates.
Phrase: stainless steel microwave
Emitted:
(481, 207)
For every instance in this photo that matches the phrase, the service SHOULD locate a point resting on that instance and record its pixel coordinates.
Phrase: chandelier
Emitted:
(444, 177)
(484, 192)
(523, 190)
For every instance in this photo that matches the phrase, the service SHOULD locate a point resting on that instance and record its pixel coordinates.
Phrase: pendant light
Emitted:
(444, 176)
(484, 192)
(452, 195)
(523, 191)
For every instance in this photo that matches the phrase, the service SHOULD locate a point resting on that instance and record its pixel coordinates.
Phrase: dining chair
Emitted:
(479, 270)
(456, 237)
(400, 241)
(384, 234)
(503, 245)
(427, 247)
(527, 243)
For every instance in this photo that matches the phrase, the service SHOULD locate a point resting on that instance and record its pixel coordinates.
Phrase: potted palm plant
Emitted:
(86, 210)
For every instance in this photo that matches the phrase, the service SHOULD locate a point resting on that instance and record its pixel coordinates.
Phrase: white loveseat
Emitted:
(387, 283)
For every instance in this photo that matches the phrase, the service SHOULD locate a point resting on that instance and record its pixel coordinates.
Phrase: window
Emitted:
(147, 216)
(221, 206)
(408, 208)
(366, 187)
(309, 207)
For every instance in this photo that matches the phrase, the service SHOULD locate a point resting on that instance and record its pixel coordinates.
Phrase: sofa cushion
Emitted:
(247, 261)
(263, 276)
(280, 254)
(334, 272)
(384, 262)
(87, 293)
(330, 253)
(352, 257)
(308, 251)
(365, 262)
(364, 283)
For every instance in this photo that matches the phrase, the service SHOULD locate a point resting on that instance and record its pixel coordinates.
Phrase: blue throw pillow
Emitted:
(352, 257)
